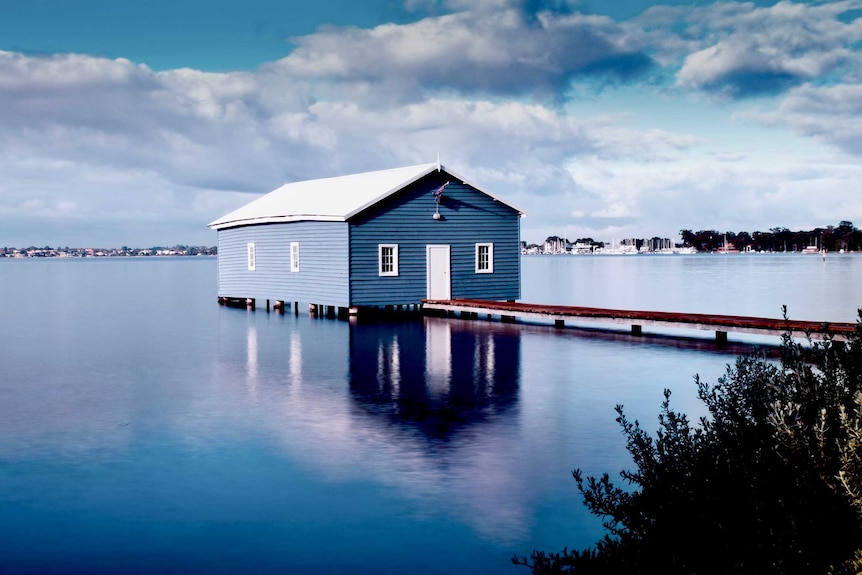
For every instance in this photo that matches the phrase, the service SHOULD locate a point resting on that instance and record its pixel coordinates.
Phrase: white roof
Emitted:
(328, 199)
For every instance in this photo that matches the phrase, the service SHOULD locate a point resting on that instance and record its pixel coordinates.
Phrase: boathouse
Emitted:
(376, 239)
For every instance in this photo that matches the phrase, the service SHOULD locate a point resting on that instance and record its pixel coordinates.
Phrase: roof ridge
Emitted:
(351, 194)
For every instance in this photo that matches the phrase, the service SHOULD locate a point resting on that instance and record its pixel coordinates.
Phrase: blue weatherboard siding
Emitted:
(322, 276)
(468, 217)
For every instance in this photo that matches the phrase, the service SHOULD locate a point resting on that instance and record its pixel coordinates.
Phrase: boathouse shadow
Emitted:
(436, 376)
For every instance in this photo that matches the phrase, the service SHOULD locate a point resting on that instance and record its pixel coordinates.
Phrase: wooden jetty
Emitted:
(721, 324)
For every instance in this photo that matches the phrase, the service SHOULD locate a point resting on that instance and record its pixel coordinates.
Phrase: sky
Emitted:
(138, 122)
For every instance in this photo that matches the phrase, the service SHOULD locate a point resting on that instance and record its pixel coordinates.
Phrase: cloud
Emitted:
(493, 48)
(104, 140)
(516, 48)
(831, 114)
(100, 140)
(639, 199)
(749, 51)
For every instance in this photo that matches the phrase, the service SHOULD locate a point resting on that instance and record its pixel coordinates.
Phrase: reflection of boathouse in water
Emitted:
(391, 237)
(466, 374)
(424, 406)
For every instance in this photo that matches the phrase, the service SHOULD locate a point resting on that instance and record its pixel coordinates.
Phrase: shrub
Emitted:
(770, 481)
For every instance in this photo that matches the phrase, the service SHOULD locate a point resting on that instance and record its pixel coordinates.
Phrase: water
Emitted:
(758, 285)
(145, 428)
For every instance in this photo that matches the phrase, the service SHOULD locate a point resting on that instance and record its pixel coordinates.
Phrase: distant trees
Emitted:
(770, 482)
(703, 240)
(779, 239)
(845, 236)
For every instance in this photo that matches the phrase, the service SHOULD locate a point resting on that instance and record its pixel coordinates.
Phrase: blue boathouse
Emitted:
(384, 238)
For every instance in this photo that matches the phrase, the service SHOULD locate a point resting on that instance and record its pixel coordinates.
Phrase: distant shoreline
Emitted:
(123, 252)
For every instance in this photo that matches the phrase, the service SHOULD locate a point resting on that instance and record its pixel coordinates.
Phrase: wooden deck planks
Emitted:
(717, 322)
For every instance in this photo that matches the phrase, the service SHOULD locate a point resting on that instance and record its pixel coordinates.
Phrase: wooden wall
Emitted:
(467, 217)
(323, 268)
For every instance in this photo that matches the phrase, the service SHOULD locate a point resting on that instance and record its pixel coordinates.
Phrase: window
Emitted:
(294, 256)
(387, 255)
(251, 262)
(484, 258)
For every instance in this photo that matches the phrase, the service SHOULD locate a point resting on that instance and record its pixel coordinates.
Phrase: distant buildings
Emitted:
(555, 245)
(67, 252)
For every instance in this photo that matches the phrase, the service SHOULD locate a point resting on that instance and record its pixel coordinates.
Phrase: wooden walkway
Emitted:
(721, 324)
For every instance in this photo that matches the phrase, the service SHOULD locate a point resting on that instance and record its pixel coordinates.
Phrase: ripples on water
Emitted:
(143, 427)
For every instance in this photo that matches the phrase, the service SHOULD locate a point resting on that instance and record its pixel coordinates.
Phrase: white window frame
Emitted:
(294, 257)
(250, 256)
(489, 269)
(394, 271)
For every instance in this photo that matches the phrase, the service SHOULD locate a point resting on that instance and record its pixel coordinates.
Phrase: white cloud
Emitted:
(831, 114)
(642, 199)
(493, 48)
(751, 50)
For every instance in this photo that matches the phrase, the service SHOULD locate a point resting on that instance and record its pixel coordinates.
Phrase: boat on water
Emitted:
(728, 248)
(815, 249)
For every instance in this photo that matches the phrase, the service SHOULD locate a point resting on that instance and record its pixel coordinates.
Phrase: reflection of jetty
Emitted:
(721, 324)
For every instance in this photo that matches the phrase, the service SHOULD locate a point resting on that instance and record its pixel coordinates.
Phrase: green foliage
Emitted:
(769, 482)
(845, 236)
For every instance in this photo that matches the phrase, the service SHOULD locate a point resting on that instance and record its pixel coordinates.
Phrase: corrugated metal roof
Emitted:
(328, 199)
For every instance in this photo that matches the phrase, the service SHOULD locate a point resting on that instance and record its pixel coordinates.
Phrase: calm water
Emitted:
(145, 428)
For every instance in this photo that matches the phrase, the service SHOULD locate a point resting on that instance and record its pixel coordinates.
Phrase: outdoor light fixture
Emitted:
(438, 199)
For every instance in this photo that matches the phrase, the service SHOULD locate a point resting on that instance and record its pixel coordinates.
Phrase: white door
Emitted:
(437, 269)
